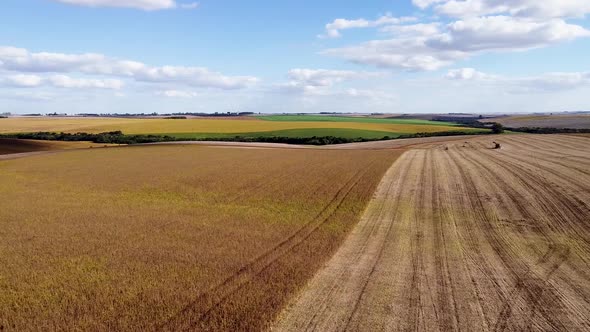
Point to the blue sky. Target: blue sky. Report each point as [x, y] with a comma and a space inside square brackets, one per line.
[409, 56]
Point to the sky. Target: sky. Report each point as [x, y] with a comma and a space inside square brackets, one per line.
[403, 56]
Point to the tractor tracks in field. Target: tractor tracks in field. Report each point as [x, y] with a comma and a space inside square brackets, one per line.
[540, 296]
[192, 314]
[333, 296]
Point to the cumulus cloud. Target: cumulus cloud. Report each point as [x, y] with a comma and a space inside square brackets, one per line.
[420, 29]
[429, 47]
[318, 81]
[466, 74]
[521, 8]
[138, 4]
[333, 29]
[471, 27]
[23, 81]
[21, 60]
[504, 33]
[63, 81]
[59, 81]
[401, 53]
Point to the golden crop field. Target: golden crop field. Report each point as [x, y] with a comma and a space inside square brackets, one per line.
[196, 125]
[172, 237]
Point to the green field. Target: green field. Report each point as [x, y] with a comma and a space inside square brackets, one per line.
[304, 132]
[332, 118]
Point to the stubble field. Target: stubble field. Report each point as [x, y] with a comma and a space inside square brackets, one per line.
[463, 237]
[171, 237]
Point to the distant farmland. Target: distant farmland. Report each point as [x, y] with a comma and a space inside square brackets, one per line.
[172, 237]
[286, 126]
[575, 121]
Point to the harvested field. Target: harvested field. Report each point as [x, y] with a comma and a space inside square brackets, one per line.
[468, 238]
[172, 237]
[9, 146]
[576, 121]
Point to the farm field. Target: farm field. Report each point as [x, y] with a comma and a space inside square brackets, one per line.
[9, 146]
[243, 126]
[468, 238]
[576, 121]
[172, 237]
[357, 119]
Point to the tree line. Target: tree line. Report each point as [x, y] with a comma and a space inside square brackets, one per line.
[118, 137]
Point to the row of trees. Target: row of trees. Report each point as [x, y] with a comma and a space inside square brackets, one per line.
[539, 130]
[117, 137]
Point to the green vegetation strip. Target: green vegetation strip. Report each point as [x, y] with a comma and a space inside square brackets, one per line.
[293, 133]
[117, 137]
[331, 118]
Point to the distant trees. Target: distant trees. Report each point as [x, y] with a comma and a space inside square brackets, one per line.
[497, 128]
[118, 137]
[111, 137]
[544, 130]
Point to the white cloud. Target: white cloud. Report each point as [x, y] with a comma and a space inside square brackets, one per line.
[319, 81]
[63, 81]
[317, 88]
[333, 28]
[21, 60]
[420, 29]
[466, 74]
[423, 4]
[521, 8]
[402, 53]
[483, 26]
[23, 80]
[430, 48]
[59, 81]
[177, 94]
[504, 33]
[324, 77]
[138, 4]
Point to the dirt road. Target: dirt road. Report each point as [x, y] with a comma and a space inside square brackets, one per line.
[463, 237]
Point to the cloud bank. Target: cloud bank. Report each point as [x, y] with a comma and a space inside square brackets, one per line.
[21, 60]
[472, 27]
